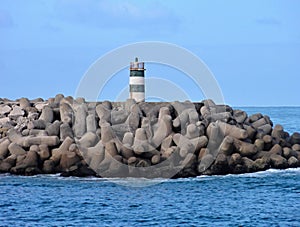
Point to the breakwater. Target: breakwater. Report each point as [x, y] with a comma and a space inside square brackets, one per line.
[128, 139]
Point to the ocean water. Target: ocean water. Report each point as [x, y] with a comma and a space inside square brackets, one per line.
[270, 198]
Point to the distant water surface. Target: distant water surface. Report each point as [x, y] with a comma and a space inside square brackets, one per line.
[270, 198]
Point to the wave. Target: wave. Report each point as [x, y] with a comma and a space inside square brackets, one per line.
[144, 181]
[265, 173]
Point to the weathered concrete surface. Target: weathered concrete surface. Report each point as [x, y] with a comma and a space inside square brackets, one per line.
[129, 139]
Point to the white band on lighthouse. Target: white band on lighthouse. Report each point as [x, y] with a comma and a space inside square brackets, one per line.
[136, 80]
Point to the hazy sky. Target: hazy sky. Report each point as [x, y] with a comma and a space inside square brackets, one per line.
[251, 47]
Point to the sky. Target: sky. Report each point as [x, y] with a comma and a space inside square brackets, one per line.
[251, 47]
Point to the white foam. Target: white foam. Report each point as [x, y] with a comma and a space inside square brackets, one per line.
[140, 182]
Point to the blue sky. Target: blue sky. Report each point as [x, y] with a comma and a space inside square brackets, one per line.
[252, 47]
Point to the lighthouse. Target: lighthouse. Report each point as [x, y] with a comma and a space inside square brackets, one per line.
[137, 81]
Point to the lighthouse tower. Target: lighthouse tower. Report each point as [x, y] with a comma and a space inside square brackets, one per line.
[137, 81]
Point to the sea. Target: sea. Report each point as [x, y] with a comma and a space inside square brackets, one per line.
[269, 198]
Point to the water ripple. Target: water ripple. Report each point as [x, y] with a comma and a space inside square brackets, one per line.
[269, 198]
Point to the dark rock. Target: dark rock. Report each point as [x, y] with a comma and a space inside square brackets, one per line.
[12, 159]
[245, 149]
[48, 166]
[79, 126]
[235, 159]
[31, 160]
[265, 129]
[67, 160]
[220, 166]
[293, 162]
[143, 163]
[79, 171]
[260, 144]
[31, 171]
[66, 113]
[276, 149]
[15, 149]
[53, 129]
[239, 169]
[188, 162]
[4, 144]
[126, 152]
[65, 131]
[259, 123]
[268, 119]
[91, 124]
[47, 115]
[233, 131]
[250, 131]
[104, 112]
[227, 146]
[248, 165]
[5, 167]
[16, 113]
[43, 152]
[58, 98]
[278, 162]
[240, 116]
[261, 164]
[132, 161]
[89, 139]
[63, 148]
[295, 138]
[37, 124]
[118, 158]
[268, 142]
[38, 140]
[255, 117]
[4, 109]
[278, 131]
[155, 159]
[225, 117]
[288, 152]
[40, 105]
[118, 116]
[111, 149]
[296, 147]
[205, 163]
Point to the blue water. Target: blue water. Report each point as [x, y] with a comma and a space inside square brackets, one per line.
[270, 198]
